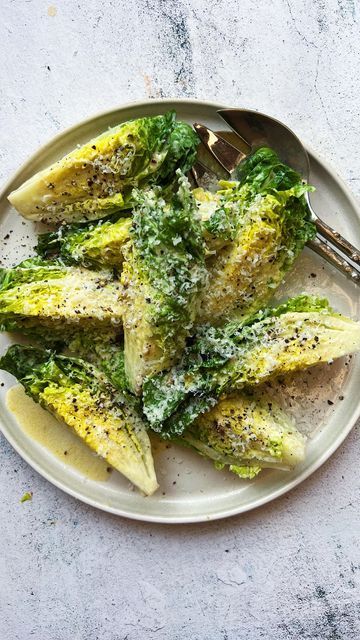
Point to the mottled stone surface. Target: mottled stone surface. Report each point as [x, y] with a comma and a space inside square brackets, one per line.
[291, 569]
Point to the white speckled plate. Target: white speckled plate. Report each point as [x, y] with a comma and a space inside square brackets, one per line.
[190, 489]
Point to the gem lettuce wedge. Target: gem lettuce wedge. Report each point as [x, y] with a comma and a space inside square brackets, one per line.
[162, 275]
[39, 297]
[298, 334]
[97, 178]
[246, 434]
[79, 395]
[264, 223]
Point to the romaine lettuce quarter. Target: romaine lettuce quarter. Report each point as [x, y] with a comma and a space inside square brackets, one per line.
[161, 276]
[259, 226]
[82, 397]
[246, 434]
[97, 178]
[42, 297]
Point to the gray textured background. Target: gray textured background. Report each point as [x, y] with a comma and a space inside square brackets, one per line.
[289, 570]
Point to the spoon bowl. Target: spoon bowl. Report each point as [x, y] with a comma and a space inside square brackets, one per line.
[259, 130]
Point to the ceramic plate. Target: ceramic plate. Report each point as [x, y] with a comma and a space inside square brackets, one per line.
[190, 489]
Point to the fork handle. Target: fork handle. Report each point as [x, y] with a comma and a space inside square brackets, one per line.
[325, 251]
[334, 237]
[337, 239]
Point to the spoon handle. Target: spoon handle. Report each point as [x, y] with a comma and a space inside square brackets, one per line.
[337, 239]
[330, 255]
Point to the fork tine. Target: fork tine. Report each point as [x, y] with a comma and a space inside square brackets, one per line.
[223, 151]
[198, 171]
[202, 176]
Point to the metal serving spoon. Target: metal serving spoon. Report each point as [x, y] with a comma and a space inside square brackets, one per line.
[254, 130]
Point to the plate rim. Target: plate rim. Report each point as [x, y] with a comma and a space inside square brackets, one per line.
[220, 514]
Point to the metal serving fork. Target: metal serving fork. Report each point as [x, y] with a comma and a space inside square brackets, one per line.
[260, 130]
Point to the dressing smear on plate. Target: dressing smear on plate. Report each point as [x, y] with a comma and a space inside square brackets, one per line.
[41, 426]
